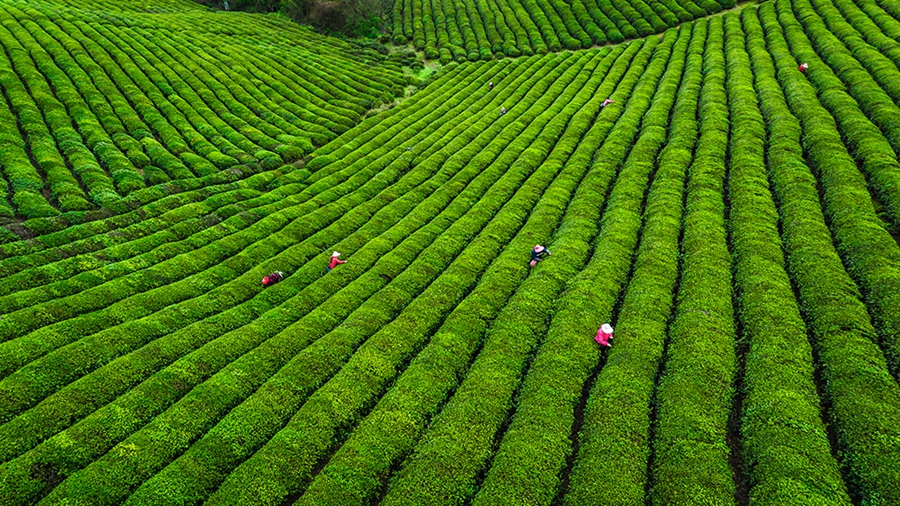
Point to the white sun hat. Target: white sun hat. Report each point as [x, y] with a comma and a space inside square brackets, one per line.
[606, 328]
[335, 254]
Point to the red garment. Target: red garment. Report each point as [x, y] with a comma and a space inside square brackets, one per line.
[603, 338]
[335, 261]
[273, 278]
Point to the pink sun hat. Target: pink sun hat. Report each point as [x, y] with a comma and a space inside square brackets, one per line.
[538, 248]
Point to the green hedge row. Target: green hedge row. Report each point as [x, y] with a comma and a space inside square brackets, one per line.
[286, 135]
[304, 86]
[694, 394]
[783, 439]
[198, 132]
[303, 92]
[877, 15]
[301, 304]
[23, 350]
[330, 184]
[856, 96]
[64, 125]
[231, 146]
[128, 205]
[63, 405]
[614, 446]
[145, 122]
[278, 117]
[102, 131]
[177, 472]
[312, 99]
[284, 464]
[878, 66]
[23, 176]
[356, 94]
[532, 453]
[72, 275]
[151, 201]
[880, 35]
[486, 29]
[458, 443]
[15, 346]
[26, 165]
[863, 399]
[870, 253]
[255, 124]
[419, 393]
[69, 409]
[85, 235]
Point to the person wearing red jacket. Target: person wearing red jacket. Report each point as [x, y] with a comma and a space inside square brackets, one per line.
[604, 335]
[273, 278]
[803, 67]
[335, 261]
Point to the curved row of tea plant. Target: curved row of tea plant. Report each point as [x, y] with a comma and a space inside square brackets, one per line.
[366, 313]
[465, 430]
[727, 213]
[486, 29]
[783, 434]
[95, 111]
[402, 162]
[617, 423]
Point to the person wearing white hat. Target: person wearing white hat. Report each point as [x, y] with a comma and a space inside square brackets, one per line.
[604, 334]
[335, 261]
[537, 254]
[273, 278]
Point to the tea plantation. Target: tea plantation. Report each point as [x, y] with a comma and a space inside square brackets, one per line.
[733, 214]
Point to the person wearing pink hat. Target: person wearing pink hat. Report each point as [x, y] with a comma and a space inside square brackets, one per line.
[604, 334]
[335, 261]
[537, 254]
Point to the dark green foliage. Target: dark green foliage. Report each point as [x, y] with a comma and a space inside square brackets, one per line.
[614, 444]
[693, 397]
[727, 213]
[537, 442]
[95, 112]
[452, 29]
[864, 399]
[786, 447]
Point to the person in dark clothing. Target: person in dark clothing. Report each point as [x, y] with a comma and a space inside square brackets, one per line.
[273, 278]
[537, 254]
[491, 86]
